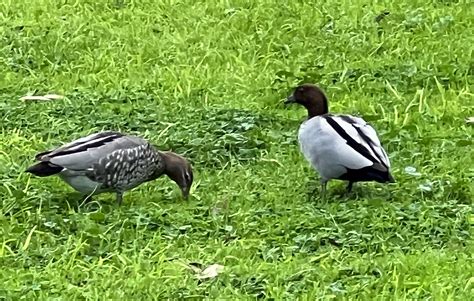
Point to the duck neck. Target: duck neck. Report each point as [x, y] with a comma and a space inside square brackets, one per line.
[317, 110]
[170, 163]
[156, 156]
[312, 112]
[166, 162]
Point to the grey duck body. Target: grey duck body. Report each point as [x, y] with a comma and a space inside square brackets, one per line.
[103, 162]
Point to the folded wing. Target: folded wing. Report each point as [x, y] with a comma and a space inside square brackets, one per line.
[356, 146]
[82, 153]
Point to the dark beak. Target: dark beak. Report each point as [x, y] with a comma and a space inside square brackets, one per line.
[290, 100]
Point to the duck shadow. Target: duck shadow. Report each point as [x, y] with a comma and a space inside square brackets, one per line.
[337, 190]
[77, 202]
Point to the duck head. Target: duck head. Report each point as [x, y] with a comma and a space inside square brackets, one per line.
[311, 97]
[179, 170]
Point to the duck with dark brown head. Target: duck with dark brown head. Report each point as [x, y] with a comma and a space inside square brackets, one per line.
[340, 147]
[112, 162]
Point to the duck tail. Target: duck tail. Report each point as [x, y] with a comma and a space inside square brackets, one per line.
[390, 179]
[44, 169]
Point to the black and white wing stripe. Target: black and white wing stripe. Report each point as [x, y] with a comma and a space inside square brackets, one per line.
[81, 144]
[361, 137]
[82, 153]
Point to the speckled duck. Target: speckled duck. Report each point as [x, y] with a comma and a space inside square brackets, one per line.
[112, 162]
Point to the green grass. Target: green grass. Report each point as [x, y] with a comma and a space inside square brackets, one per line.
[205, 79]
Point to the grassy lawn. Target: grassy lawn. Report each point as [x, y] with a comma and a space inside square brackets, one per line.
[206, 79]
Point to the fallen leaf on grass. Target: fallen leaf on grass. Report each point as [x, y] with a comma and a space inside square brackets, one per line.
[470, 120]
[427, 186]
[412, 171]
[46, 97]
[211, 271]
[192, 266]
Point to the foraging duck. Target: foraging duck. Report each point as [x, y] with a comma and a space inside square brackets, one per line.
[112, 162]
[340, 147]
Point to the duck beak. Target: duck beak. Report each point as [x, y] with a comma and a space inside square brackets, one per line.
[290, 100]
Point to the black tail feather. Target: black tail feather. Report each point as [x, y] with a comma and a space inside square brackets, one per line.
[44, 169]
[367, 174]
[390, 178]
[39, 155]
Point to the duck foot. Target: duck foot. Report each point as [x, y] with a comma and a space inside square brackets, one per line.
[351, 192]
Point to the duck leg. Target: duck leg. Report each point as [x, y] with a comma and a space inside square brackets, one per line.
[349, 187]
[324, 184]
[119, 197]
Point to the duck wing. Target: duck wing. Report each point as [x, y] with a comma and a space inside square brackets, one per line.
[366, 136]
[344, 147]
[84, 152]
[347, 149]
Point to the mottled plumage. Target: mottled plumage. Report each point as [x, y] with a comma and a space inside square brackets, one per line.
[339, 146]
[111, 162]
